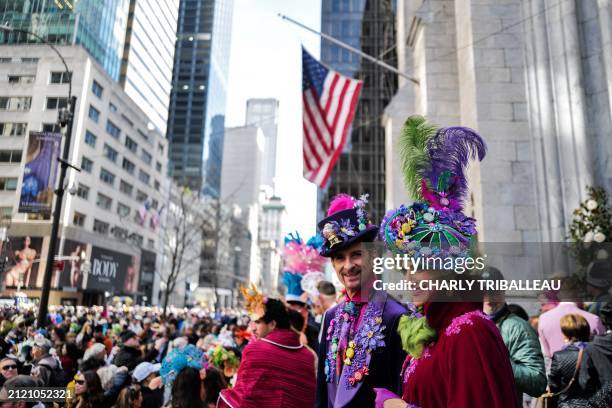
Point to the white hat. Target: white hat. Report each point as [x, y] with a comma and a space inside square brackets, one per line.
[143, 370]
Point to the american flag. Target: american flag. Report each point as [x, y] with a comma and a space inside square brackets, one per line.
[329, 101]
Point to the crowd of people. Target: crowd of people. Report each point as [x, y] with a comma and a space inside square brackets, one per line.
[353, 347]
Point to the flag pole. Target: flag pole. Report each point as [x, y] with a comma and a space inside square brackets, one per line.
[351, 49]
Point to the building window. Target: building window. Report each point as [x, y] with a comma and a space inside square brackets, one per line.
[112, 107]
[145, 156]
[56, 103]
[144, 176]
[51, 128]
[15, 103]
[154, 204]
[94, 114]
[104, 202]
[21, 79]
[141, 197]
[123, 210]
[97, 89]
[62, 77]
[83, 191]
[126, 188]
[128, 166]
[156, 183]
[120, 233]
[13, 129]
[112, 129]
[129, 122]
[100, 227]
[86, 164]
[78, 219]
[28, 60]
[6, 213]
[158, 166]
[10, 156]
[90, 138]
[160, 148]
[110, 153]
[131, 144]
[107, 177]
[8, 183]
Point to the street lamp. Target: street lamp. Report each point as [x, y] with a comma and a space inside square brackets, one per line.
[65, 119]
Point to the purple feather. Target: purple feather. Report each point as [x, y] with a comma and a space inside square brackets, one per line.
[450, 150]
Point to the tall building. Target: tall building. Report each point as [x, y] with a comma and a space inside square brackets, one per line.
[240, 184]
[196, 120]
[109, 229]
[133, 40]
[99, 26]
[263, 113]
[368, 25]
[148, 56]
[271, 241]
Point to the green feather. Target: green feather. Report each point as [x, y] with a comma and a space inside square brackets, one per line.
[415, 334]
[413, 152]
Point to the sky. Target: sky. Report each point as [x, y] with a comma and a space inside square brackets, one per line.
[265, 62]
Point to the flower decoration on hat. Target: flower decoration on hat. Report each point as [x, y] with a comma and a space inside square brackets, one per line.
[433, 165]
[346, 222]
[255, 302]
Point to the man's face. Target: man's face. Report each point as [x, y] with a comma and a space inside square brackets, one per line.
[492, 302]
[37, 352]
[8, 369]
[262, 329]
[133, 341]
[348, 266]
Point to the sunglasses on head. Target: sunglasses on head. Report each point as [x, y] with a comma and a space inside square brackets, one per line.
[9, 367]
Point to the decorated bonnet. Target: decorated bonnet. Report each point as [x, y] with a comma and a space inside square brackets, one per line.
[346, 223]
[302, 265]
[433, 163]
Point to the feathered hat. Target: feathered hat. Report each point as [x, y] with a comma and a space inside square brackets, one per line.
[346, 223]
[255, 302]
[433, 163]
[301, 264]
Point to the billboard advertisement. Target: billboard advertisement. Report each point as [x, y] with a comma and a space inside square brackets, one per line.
[40, 172]
[75, 259]
[112, 271]
[23, 264]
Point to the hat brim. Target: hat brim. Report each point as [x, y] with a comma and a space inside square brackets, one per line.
[367, 235]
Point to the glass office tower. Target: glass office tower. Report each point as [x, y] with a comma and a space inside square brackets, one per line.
[196, 120]
[99, 26]
[368, 25]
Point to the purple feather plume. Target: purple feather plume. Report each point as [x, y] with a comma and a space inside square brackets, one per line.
[450, 150]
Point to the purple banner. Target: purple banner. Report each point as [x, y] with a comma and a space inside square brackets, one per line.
[40, 172]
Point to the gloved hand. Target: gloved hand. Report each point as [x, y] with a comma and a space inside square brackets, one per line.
[383, 395]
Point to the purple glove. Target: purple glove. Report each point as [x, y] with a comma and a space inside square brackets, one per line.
[382, 395]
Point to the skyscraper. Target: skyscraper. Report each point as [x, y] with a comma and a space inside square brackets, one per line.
[133, 40]
[263, 113]
[196, 120]
[99, 26]
[368, 25]
[148, 56]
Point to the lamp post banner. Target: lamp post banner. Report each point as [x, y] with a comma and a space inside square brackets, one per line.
[40, 172]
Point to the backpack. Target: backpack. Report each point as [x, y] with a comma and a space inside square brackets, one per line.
[57, 377]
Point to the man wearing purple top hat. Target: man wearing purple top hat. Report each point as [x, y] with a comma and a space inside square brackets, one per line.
[360, 348]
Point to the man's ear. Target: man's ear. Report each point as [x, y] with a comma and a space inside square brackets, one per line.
[273, 324]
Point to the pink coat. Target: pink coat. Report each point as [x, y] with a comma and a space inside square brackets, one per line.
[549, 327]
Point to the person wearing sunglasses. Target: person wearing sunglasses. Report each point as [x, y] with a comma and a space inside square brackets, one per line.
[8, 369]
[88, 390]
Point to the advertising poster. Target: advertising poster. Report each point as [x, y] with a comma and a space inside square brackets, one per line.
[40, 172]
[24, 261]
[75, 258]
[112, 271]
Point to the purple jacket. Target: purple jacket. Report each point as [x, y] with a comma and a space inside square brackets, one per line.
[384, 365]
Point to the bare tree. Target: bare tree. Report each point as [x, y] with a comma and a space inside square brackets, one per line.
[182, 238]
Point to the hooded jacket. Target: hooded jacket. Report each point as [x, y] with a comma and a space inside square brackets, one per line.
[596, 369]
